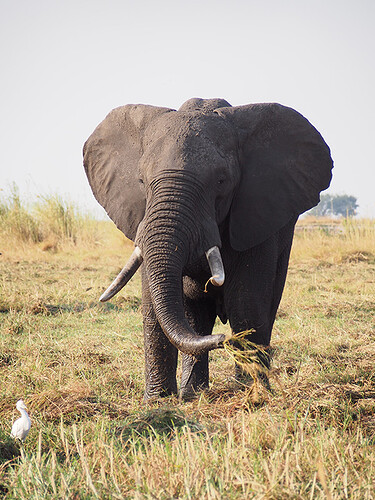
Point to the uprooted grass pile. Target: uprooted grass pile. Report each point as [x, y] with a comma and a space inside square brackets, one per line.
[155, 421]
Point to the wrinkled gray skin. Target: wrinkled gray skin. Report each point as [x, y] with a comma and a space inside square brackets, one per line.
[181, 182]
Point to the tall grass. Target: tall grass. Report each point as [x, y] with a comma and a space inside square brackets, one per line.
[16, 221]
[334, 240]
[247, 459]
[49, 220]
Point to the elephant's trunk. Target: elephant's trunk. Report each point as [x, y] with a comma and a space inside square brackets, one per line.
[170, 237]
[165, 281]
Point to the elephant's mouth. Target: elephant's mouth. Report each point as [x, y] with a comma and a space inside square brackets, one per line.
[127, 272]
[172, 319]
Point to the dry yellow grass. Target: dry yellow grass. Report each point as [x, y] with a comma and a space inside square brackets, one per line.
[334, 241]
[78, 365]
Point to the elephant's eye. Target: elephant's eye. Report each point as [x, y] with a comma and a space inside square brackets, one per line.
[141, 181]
[221, 181]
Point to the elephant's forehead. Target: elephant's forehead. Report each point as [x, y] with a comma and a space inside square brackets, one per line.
[188, 133]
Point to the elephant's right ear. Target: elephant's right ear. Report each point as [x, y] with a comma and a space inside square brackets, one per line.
[111, 155]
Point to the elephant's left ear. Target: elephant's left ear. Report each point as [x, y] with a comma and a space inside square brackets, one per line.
[285, 164]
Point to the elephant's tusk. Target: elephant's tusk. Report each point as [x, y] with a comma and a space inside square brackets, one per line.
[124, 276]
[216, 266]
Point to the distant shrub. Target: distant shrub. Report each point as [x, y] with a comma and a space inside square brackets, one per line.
[339, 205]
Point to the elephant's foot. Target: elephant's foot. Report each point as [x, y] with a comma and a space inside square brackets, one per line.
[159, 384]
[247, 380]
[190, 392]
[194, 376]
[243, 377]
[153, 393]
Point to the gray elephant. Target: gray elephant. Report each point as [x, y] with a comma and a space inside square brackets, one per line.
[208, 192]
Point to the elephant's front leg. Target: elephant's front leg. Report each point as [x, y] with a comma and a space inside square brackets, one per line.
[160, 354]
[201, 313]
[254, 291]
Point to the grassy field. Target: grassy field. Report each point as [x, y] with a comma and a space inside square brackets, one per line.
[78, 365]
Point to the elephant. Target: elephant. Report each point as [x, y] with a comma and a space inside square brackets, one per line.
[210, 194]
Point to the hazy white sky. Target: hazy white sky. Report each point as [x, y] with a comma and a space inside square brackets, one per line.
[66, 64]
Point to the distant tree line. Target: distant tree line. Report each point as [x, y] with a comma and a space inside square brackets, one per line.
[335, 205]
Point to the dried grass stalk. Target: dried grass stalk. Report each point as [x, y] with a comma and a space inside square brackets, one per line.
[248, 356]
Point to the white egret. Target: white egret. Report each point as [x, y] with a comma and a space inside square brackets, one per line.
[21, 426]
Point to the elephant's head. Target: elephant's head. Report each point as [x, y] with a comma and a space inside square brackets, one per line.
[171, 180]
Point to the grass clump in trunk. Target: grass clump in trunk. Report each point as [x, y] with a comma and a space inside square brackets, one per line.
[249, 357]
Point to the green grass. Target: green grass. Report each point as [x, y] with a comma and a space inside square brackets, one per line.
[78, 365]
